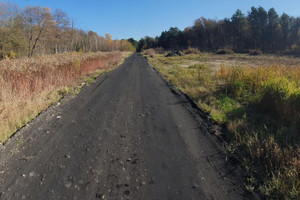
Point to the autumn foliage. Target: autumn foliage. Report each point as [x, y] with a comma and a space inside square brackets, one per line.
[34, 31]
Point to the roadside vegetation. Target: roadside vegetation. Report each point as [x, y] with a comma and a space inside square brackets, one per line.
[29, 85]
[257, 100]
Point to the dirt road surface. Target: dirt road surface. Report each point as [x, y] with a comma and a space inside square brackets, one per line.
[127, 136]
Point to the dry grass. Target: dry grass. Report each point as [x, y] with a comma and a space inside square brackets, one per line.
[191, 51]
[258, 100]
[28, 86]
[215, 61]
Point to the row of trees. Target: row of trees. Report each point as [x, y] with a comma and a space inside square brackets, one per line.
[36, 30]
[260, 29]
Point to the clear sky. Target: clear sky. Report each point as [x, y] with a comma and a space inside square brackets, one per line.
[138, 18]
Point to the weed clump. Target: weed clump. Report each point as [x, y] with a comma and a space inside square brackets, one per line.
[174, 53]
[191, 51]
[255, 52]
[225, 51]
[149, 52]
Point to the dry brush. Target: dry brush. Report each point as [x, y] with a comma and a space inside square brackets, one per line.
[30, 85]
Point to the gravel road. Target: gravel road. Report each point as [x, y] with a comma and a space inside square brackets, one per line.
[126, 136]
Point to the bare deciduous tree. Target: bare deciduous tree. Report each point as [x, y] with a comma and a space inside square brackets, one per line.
[37, 20]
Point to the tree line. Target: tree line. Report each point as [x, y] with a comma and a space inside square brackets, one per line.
[259, 29]
[36, 30]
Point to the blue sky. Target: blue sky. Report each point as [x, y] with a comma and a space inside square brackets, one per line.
[138, 18]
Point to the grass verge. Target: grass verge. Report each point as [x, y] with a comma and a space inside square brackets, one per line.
[259, 106]
[29, 86]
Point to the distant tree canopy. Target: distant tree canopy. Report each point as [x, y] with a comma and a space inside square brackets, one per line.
[133, 42]
[259, 29]
[36, 31]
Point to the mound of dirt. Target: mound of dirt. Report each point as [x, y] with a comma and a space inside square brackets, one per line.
[174, 53]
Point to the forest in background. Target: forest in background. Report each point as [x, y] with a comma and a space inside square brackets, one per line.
[261, 30]
[35, 30]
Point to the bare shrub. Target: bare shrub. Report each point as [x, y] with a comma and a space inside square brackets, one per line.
[149, 52]
[159, 50]
[225, 51]
[191, 51]
[255, 52]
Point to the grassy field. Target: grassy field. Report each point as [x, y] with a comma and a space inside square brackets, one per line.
[29, 86]
[257, 99]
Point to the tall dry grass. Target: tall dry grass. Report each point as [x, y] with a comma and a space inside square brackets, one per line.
[30, 85]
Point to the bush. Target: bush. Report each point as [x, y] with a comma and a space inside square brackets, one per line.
[255, 52]
[174, 54]
[294, 50]
[149, 52]
[277, 98]
[191, 51]
[77, 48]
[225, 51]
[159, 50]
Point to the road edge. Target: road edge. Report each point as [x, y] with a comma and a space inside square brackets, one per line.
[213, 130]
